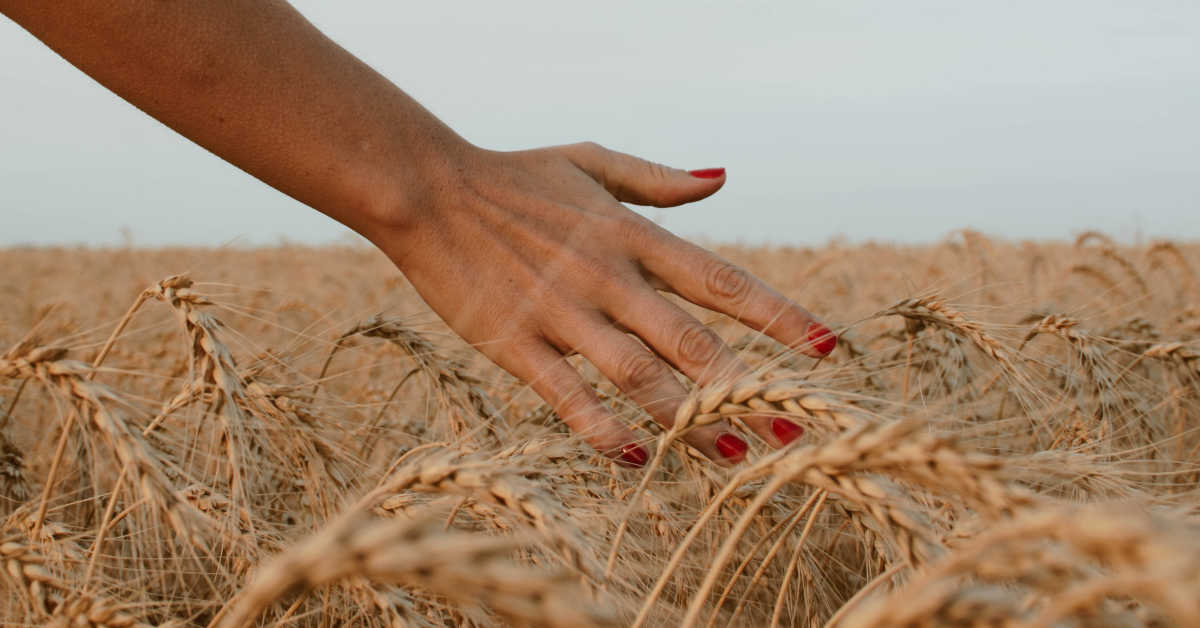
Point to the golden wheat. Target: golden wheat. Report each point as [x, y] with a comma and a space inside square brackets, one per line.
[1007, 435]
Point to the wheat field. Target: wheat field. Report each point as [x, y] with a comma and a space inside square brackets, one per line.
[1007, 435]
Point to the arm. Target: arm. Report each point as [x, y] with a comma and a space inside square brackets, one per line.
[528, 255]
[258, 85]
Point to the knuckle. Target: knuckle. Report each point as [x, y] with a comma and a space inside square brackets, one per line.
[547, 308]
[591, 148]
[698, 344]
[524, 342]
[590, 275]
[727, 282]
[633, 229]
[517, 353]
[639, 371]
[658, 172]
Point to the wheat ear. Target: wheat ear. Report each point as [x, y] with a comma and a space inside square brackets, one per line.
[463, 567]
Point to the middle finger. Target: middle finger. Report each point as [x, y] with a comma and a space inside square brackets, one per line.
[697, 351]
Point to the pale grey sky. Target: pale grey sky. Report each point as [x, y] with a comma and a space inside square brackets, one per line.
[871, 120]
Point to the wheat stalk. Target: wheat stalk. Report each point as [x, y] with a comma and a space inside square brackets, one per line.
[1164, 554]
[415, 552]
[933, 310]
[53, 600]
[453, 472]
[99, 404]
[920, 495]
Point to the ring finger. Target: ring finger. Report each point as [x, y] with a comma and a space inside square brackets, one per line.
[697, 351]
[650, 383]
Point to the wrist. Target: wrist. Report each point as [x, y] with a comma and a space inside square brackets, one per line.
[403, 193]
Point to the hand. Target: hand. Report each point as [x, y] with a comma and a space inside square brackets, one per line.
[530, 256]
[527, 255]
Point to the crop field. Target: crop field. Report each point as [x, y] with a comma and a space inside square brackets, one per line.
[1008, 434]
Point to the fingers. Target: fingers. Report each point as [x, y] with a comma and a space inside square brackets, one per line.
[694, 349]
[634, 180]
[650, 383]
[561, 386]
[709, 281]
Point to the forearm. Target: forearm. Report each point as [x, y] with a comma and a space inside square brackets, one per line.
[528, 255]
[258, 85]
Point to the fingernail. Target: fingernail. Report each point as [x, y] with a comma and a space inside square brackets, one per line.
[707, 173]
[633, 455]
[821, 338]
[785, 430]
[731, 447]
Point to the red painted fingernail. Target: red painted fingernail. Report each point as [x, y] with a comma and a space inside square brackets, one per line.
[821, 338]
[785, 430]
[731, 447]
[633, 455]
[707, 173]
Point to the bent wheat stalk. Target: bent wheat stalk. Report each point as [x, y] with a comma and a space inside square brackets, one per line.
[749, 396]
[98, 405]
[463, 567]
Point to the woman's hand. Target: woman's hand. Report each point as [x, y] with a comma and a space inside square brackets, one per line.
[530, 256]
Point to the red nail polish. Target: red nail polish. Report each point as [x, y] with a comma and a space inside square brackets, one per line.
[785, 430]
[707, 173]
[634, 455]
[821, 338]
[731, 447]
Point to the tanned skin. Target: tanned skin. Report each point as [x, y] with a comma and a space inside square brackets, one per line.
[528, 255]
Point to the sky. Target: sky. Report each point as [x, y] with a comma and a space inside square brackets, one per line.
[886, 121]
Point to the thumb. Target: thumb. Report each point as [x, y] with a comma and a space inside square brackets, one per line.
[634, 180]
